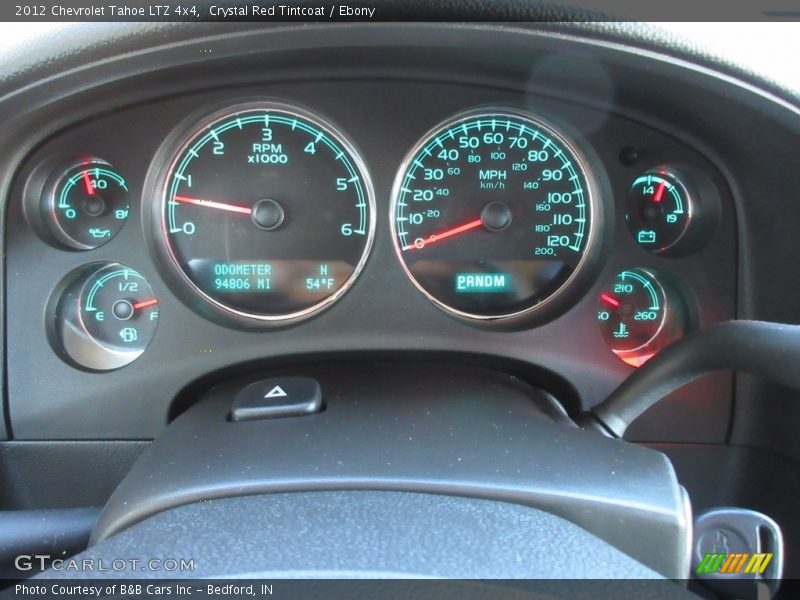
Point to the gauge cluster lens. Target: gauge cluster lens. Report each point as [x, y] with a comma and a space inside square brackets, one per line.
[267, 211]
[493, 213]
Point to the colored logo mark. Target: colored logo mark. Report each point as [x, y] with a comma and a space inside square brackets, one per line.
[735, 564]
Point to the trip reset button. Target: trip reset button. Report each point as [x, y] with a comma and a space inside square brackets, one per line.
[278, 397]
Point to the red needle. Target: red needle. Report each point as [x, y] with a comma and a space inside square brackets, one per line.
[608, 299]
[87, 183]
[145, 303]
[438, 237]
[659, 192]
[244, 210]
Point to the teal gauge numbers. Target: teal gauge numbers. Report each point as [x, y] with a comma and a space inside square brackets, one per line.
[86, 205]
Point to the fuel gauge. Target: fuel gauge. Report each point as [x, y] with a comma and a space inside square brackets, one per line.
[639, 315]
[106, 316]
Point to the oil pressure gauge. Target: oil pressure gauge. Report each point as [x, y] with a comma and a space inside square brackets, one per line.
[85, 205]
[106, 316]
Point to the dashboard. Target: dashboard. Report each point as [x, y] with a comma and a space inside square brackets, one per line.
[468, 234]
[361, 214]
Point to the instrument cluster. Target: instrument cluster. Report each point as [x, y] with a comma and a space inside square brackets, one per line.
[266, 212]
[159, 244]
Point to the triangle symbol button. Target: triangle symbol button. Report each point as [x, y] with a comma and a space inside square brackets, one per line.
[276, 392]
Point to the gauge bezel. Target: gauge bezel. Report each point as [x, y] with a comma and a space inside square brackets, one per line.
[155, 220]
[563, 296]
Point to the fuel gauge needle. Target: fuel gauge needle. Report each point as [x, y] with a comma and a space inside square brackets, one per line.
[145, 303]
[235, 208]
[443, 235]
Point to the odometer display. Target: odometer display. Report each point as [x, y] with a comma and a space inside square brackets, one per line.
[493, 213]
[267, 211]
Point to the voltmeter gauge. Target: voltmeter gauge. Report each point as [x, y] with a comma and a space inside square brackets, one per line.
[639, 314]
[86, 205]
[106, 316]
[671, 210]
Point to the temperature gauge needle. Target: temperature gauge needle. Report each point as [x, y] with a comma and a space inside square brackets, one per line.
[235, 208]
[610, 300]
[438, 237]
[87, 183]
[145, 303]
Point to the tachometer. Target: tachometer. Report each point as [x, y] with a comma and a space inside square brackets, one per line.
[494, 212]
[267, 211]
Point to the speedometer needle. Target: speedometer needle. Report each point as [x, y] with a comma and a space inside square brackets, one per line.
[236, 208]
[443, 235]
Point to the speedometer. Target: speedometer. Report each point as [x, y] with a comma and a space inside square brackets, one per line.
[494, 213]
[266, 212]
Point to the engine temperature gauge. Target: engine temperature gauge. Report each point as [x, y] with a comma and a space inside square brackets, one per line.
[639, 315]
[106, 316]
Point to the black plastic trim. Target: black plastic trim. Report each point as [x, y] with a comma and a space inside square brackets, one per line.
[445, 430]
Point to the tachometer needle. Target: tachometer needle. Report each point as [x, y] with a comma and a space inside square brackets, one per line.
[87, 183]
[608, 299]
[244, 210]
[443, 235]
[145, 303]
